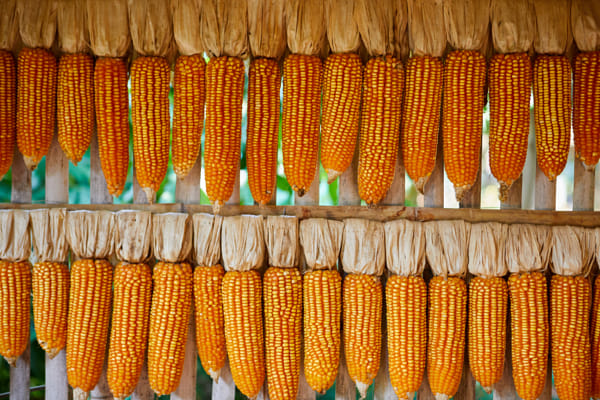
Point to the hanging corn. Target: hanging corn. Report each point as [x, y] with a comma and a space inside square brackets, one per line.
[595, 328]
[8, 86]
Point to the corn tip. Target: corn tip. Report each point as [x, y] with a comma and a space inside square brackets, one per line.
[488, 389]
[31, 163]
[332, 175]
[217, 205]
[52, 352]
[150, 194]
[461, 191]
[12, 361]
[362, 389]
[420, 184]
[214, 375]
[441, 396]
[503, 192]
[79, 394]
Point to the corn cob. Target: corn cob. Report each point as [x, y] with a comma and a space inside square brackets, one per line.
[446, 343]
[188, 114]
[75, 104]
[129, 328]
[595, 332]
[112, 119]
[36, 104]
[510, 92]
[150, 77]
[570, 300]
[302, 78]
[421, 117]
[342, 85]
[210, 330]
[15, 292]
[552, 112]
[406, 308]
[586, 107]
[169, 319]
[50, 283]
[462, 121]
[8, 112]
[263, 128]
[242, 308]
[87, 326]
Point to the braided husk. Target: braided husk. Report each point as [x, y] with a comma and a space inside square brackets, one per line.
[48, 235]
[342, 31]
[375, 21]
[91, 233]
[281, 241]
[405, 247]
[133, 236]
[15, 243]
[467, 23]
[513, 25]
[37, 22]
[553, 26]
[527, 248]
[306, 30]
[71, 21]
[151, 28]
[171, 237]
[186, 26]
[266, 28]
[447, 247]
[9, 26]
[426, 33]
[573, 250]
[486, 249]
[321, 241]
[242, 243]
[224, 27]
[108, 25]
[207, 239]
[363, 247]
[585, 24]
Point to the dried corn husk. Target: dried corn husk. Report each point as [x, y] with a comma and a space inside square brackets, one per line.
[266, 28]
[553, 26]
[133, 236]
[363, 247]
[573, 250]
[48, 235]
[486, 249]
[72, 26]
[281, 239]
[375, 21]
[321, 240]
[15, 244]
[108, 26]
[527, 248]
[9, 26]
[405, 247]
[151, 27]
[186, 26]
[91, 233]
[513, 25]
[207, 239]
[171, 237]
[242, 243]
[467, 23]
[447, 247]
[585, 22]
[401, 47]
[306, 30]
[342, 30]
[37, 22]
[426, 35]
[224, 27]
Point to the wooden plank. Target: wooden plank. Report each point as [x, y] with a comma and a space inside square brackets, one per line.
[310, 198]
[395, 196]
[545, 191]
[513, 200]
[21, 180]
[98, 190]
[584, 186]
[383, 386]
[434, 188]
[347, 185]
[139, 197]
[19, 377]
[345, 389]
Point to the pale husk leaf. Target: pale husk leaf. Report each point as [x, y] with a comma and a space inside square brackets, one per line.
[486, 249]
[447, 247]
[553, 26]
[91, 233]
[375, 19]
[151, 27]
[585, 23]
[306, 30]
[48, 227]
[405, 247]
[37, 22]
[513, 25]
[281, 239]
[15, 243]
[321, 240]
[207, 239]
[401, 47]
[242, 243]
[186, 26]
[72, 26]
[527, 248]
[363, 247]
[224, 27]
[171, 236]
[426, 35]
[342, 30]
[108, 25]
[133, 236]
[573, 250]
[9, 26]
[467, 23]
[266, 28]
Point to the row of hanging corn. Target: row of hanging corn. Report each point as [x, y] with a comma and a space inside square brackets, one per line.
[262, 319]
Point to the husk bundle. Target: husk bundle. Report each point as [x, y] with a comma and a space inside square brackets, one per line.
[37, 22]
[281, 240]
[363, 247]
[375, 19]
[207, 239]
[405, 247]
[426, 33]
[467, 23]
[15, 243]
[91, 233]
[527, 248]
[306, 30]
[72, 26]
[133, 236]
[108, 25]
[242, 243]
[266, 28]
[486, 249]
[342, 30]
[48, 228]
[401, 47]
[171, 237]
[573, 250]
[321, 240]
[447, 247]
[224, 27]
[151, 27]
[585, 23]
[9, 26]
[513, 25]
[186, 26]
[553, 26]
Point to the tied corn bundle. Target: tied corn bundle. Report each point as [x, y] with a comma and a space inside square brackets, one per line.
[8, 85]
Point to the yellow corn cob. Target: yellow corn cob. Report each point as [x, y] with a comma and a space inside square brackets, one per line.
[570, 300]
[595, 332]
[210, 329]
[322, 297]
[446, 331]
[8, 110]
[510, 92]
[406, 308]
[242, 308]
[362, 299]
[188, 113]
[586, 107]
[169, 320]
[112, 119]
[421, 117]
[50, 282]
[224, 98]
[75, 104]
[488, 299]
[529, 333]
[462, 117]
[302, 77]
[342, 85]
[263, 128]
[150, 77]
[552, 112]
[379, 127]
[15, 296]
[129, 327]
[87, 326]
[36, 104]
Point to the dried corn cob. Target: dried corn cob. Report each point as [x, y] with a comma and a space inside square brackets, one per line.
[462, 121]
[36, 104]
[8, 112]
[595, 332]
[263, 128]
[342, 85]
[380, 127]
[586, 107]
[188, 114]
[421, 117]
[552, 112]
[15, 292]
